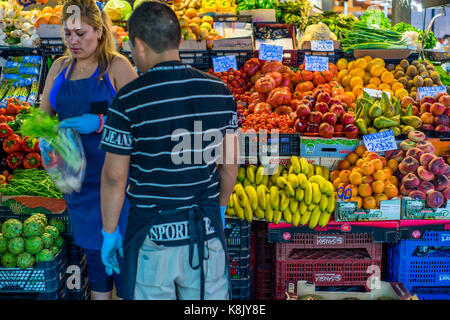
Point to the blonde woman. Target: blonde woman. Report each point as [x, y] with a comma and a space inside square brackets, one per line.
[79, 88]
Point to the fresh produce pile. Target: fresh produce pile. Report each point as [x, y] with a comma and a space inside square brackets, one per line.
[22, 245]
[194, 27]
[222, 6]
[243, 5]
[30, 182]
[336, 22]
[319, 31]
[421, 174]
[369, 176]
[295, 12]
[430, 42]
[300, 193]
[435, 113]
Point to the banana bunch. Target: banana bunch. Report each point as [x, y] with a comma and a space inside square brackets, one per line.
[300, 194]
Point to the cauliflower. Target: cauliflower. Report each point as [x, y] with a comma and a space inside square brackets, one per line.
[318, 31]
[412, 39]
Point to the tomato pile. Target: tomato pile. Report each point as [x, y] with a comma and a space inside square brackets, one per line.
[236, 80]
[268, 122]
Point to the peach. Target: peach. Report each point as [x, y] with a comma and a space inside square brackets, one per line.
[369, 203]
[441, 183]
[404, 191]
[391, 191]
[425, 146]
[437, 109]
[410, 181]
[377, 164]
[428, 99]
[398, 155]
[372, 156]
[380, 197]
[416, 136]
[442, 120]
[435, 199]
[393, 165]
[424, 186]
[442, 128]
[344, 164]
[427, 118]
[344, 176]
[393, 180]
[378, 186]
[444, 99]
[407, 144]
[379, 175]
[355, 177]
[409, 164]
[367, 168]
[426, 158]
[415, 153]
[364, 190]
[368, 179]
[424, 174]
[425, 107]
[417, 195]
[437, 166]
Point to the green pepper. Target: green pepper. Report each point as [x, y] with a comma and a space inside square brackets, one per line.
[13, 125]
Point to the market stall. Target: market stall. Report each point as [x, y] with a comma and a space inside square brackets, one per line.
[344, 145]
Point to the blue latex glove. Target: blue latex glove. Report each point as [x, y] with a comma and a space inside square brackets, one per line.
[222, 213]
[87, 123]
[112, 242]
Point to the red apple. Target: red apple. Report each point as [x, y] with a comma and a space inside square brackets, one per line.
[347, 118]
[351, 131]
[324, 97]
[437, 109]
[326, 130]
[321, 107]
[330, 118]
[338, 110]
[315, 117]
[301, 125]
[303, 111]
[428, 99]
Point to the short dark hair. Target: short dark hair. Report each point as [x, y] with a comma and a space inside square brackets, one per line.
[156, 24]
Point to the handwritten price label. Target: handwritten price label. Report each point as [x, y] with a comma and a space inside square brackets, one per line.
[430, 91]
[376, 93]
[380, 141]
[224, 63]
[322, 45]
[315, 63]
[270, 52]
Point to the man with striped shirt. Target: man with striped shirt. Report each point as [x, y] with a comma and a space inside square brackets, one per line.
[167, 132]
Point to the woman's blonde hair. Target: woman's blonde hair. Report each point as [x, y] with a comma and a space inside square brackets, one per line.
[92, 15]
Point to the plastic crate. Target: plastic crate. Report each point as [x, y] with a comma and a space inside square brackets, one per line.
[197, 59]
[324, 267]
[329, 241]
[58, 294]
[45, 277]
[264, 250]
[239, 266]
[237, 233]
[241, 55]
[407, 263]
[436, 293]
[6, 214]
[264, 284]
[240, 289]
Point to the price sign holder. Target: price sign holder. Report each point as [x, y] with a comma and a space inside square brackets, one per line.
[322, 45]
[376, 93]
[316, 63]
[270, 52]
[380, 141]
[429, 91]
[224, 63]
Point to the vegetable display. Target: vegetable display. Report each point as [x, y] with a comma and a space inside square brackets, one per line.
[295, 12]
[431, 40]
[336, 22]
[31, 182]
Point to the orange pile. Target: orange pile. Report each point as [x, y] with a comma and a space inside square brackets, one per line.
[368, 175]
[50, 15]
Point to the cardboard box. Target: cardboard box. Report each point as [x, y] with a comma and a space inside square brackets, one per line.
[332, 148]
[348, 211]
[381, 290]
[50, 31]
[388, 54]
[260, 15]
[417, 210]
[34, 204]
[193, 45]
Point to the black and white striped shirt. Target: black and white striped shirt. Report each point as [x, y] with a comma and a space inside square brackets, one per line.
[170, 121]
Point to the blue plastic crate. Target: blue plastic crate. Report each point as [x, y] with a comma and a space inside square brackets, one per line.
[240, 289]
[406, 264]
[433, 293]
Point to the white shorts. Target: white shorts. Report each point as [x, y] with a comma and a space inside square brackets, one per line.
[164, 273]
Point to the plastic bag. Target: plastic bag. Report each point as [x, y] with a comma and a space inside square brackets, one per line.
[118, 10]
[66, 170]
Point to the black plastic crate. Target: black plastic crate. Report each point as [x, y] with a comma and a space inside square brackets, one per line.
[237, 233]
[45, 277]
[241, 55]
[239, 266]
[197, 59]
[240, 289]
[58, 294]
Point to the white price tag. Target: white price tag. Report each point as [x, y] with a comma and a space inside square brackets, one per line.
[316, 63]
[224, 63]
[380, 141]
[376, 93]
[270, 52]
[430, 91]
[322, 45]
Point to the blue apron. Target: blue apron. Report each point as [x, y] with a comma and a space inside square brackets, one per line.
[73, 99]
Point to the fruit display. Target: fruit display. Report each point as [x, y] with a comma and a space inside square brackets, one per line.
[218, 6]
[376, 115]
[23, 244]
[194, 27]
[421, 174]
[118, 10]
[184, 7]
[434, 113]
[369, 176]
[300, 193]
[319, 31]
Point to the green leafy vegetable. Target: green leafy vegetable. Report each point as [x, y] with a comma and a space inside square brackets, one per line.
[431, 40]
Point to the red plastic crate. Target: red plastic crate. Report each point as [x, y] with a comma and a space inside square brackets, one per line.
[264, 284]
[324, 267]
[329, 241]
[264, 250]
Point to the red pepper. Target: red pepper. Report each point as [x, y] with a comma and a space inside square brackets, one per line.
[14, 160]
[12, 144]
[2, 111]
[2, 118]
[5, 130]
[32, 160]
[30, 144]
[12, 109]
